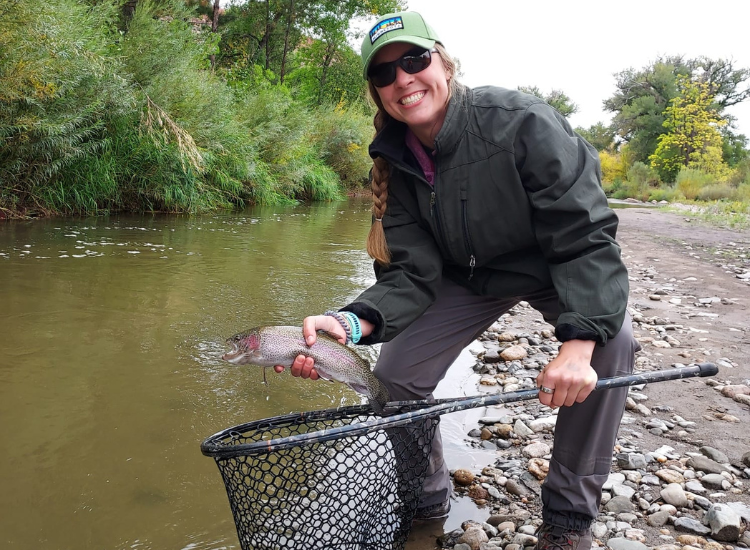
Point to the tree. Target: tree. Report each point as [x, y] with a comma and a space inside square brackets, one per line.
[600, 136]
[643, 95]
[556, 98]
[692, 138]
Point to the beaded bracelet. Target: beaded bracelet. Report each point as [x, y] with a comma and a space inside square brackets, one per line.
[343, 322]
[355, 326]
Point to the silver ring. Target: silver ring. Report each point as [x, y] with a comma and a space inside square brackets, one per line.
[545, 389]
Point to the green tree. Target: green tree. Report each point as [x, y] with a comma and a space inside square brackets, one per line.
[692, 138]
[643, 95]
[556, 98]
[601, 136]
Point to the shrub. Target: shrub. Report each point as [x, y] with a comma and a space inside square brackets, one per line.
[715, 192]
[613, 167]
[663, 194]
[690, 181]
[641, 179]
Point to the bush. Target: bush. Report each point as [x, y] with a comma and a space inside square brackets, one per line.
[715, 192]
[663, 194]
[613, 167]
[690, 181]
[641, 180]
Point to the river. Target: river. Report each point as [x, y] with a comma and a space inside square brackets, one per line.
[110, 372]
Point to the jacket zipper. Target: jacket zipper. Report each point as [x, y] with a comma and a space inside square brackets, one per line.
[467, 237]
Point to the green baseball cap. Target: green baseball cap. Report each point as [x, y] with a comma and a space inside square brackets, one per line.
[405, 26]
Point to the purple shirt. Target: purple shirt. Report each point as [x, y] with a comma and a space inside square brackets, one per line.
[425, 161]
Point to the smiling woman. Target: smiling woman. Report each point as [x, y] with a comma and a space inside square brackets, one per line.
[481, 198]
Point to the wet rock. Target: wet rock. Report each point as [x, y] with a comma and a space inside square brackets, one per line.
[691, 525]
[477, 492]
[714, 454]
[516, 488]
[463, 478]
[674, 495]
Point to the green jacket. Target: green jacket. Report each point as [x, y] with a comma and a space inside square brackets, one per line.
[517, 206]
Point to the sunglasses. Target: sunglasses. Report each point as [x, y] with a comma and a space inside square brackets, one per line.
[412, 62]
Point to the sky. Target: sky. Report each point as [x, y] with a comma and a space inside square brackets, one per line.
[577, 46]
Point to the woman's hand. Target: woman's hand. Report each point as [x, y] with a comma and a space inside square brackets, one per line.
[569, 375]
[303, 365]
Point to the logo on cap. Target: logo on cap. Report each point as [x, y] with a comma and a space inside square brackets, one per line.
[387, 25]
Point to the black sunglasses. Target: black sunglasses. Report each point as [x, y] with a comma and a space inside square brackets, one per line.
[414, 61]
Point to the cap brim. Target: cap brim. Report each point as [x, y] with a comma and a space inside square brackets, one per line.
[384, 41]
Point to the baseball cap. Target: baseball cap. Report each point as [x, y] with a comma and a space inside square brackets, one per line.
[405, 26]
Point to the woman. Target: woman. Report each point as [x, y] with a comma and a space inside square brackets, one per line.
[483, 198]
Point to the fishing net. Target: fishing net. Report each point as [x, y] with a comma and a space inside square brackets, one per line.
[333, 479]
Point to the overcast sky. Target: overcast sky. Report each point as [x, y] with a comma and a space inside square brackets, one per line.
[577, 45]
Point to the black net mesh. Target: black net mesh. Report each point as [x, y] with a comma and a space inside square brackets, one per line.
[339, 479]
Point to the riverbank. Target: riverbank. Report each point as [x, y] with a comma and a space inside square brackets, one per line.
[682, 454]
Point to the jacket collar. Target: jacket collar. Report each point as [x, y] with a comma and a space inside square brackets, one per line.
[390, 142]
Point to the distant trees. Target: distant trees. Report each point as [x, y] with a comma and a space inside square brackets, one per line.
[556, 98]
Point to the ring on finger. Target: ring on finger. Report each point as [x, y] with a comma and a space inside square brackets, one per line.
[545, 389]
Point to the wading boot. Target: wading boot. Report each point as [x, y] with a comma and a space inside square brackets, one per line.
[436, 511]
[558, 538]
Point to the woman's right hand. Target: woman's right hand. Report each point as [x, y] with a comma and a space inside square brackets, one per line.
[303, 365]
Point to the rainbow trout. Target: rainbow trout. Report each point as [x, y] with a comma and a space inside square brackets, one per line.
[279, 345]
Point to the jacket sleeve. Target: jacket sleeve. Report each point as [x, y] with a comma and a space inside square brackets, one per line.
[573, 224]
[408, 286]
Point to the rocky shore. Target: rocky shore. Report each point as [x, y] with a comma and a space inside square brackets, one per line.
[681, 467]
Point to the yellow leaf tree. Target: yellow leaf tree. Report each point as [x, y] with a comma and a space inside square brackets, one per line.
[692, 138]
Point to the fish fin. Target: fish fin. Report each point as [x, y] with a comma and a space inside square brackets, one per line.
[359, 388]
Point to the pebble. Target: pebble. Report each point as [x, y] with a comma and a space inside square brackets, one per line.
[536, 450]
[674, 495]
[691, 525]
[621, 543]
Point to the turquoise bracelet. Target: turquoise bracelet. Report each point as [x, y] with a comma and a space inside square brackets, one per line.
[355, 326]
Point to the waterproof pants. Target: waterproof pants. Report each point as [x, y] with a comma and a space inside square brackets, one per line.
[412, 364]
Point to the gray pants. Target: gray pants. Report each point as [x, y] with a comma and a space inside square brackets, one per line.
[412, 364]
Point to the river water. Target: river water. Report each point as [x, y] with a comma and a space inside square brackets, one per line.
[110, 373]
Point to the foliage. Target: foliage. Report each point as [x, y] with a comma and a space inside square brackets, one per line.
[556, 98]
[692, 137]
[643, 95]
[613, 166]
[690, 181]
[641, 181]
[600, 136]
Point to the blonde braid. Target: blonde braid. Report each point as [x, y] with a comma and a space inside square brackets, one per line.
[377, 247]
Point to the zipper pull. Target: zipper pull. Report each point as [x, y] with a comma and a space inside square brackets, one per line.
[472, 263]
[432, 203]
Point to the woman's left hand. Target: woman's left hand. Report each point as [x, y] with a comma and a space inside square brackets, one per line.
[569, 375]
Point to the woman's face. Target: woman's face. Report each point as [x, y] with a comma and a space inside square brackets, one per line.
[420, 100]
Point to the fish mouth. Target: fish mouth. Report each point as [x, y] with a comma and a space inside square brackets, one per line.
[233, 356]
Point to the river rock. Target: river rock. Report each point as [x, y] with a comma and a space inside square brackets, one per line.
[691, 526]
[713, 481]
[521, 429]
[536, 450]
[746, 459]
[691, 540]
[539, 468]
[724, 523]
[714, 454]
[621, 490]
[544, 424]
[742, 510]
[732, 391]
[658, 519]
[705, 464]
[674, 495]
[631, 461]
[742, 399]
[670, 476]
[618, 505]
[523, 539]
[517, 489]
[504, 431]
[463, 477]
[474, 536]
[621, 543]
[513, 353]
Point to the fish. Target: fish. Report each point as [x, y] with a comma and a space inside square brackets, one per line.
[267, 346]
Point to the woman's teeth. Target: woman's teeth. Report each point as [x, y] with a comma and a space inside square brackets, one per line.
[412, 98]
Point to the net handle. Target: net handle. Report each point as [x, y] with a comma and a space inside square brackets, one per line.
[453, 404]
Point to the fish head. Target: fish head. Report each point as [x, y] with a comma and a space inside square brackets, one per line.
[245, 347]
